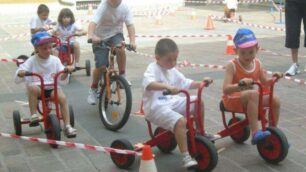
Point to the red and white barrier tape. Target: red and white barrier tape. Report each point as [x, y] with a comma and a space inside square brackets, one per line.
[72, 145]
[11, 60]
[250, 24]
[277, 54]
[181, 36]
[210, 66]
[220, 2]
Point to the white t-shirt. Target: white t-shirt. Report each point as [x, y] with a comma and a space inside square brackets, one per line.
[153, 100]
[231, 4]
[36, 22]
[45, 67]
[110, 20]
[64, 32]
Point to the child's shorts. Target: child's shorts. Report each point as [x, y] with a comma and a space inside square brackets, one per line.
[232, 102]
[64, 48]
[167, 116]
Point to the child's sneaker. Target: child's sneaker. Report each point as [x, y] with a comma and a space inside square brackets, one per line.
[34, 118]
[189, 162]
[260, 135]
[70, 132]
[293, 70]
[92, 97]
[212, 137]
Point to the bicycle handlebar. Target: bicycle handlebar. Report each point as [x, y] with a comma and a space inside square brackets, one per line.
[127, 46]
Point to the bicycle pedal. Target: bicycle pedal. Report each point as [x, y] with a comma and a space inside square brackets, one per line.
[34, 124]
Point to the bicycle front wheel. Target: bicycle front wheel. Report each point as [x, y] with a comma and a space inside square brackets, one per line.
[115, 109]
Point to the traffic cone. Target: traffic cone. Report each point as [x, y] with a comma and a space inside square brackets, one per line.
[147, 163]
[209, 24]
[90, 9]
[193, 15]
[229, 46]
[141, 111]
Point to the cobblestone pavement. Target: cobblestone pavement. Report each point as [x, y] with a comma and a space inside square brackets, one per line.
[17, 155]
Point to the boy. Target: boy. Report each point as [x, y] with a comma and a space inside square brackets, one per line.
[46, 65]
[107, 26]
[168, 111]
[246, 68]
[41, 22]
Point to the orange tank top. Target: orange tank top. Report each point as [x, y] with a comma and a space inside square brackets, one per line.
[240, 72]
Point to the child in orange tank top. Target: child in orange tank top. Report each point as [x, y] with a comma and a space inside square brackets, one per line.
[247, 68]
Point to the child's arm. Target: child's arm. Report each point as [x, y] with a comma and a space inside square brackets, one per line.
[197, 84]
[157, 86]
[228, 87]
[265, 80]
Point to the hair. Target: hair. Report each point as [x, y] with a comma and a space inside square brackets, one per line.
[165, 46]
[42, 8]
[65, 12]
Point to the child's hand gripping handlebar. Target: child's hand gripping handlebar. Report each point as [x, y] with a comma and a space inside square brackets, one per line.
[123, 44]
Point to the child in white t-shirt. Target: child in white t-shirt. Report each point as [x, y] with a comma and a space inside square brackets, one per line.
[168, 111]
[230, 8]
[47, 66]
[41, 22]
[67, 27]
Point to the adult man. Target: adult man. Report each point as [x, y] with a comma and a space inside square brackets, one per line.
[295, 13]
[107, 28]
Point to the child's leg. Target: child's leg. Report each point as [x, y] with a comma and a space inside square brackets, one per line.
[249, 100]
[276, 106]
[63, 106]
[180, 134]
[76, 51]
[33, 94]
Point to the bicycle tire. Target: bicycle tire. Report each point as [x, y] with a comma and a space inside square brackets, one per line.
[104, 103]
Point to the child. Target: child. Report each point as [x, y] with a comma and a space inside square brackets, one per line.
[246, 68]
[230, 8]
[46, 65]
[41, 22]
[67, 27]
[168, 111]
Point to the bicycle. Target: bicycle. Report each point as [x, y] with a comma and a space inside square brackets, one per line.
[199, 147]
[45, 107]
[114, 105]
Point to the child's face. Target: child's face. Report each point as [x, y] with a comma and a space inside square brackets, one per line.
[66, 20]
[43, 15]
[247, 55]
[167, 61]
[44, 50]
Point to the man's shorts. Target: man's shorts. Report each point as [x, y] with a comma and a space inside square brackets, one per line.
[101, 51]
[167, 116]
[295, 13]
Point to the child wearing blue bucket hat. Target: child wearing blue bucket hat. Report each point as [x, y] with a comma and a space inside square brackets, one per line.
[47, 66]
[247, 68]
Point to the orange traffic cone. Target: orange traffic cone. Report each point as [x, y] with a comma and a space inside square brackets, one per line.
[229, 46]
[141, 111]
[90, 9]
[209, 24]
[147, 163]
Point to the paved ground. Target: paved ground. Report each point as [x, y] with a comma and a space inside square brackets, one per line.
[16, 155]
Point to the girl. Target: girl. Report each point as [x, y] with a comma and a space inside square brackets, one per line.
[67, 27]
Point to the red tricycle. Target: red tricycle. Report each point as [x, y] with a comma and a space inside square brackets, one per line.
[45, 106]
[199, 146]
[272, 149]
[66, 54]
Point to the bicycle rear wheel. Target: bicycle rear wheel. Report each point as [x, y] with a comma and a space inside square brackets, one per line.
[115, 112]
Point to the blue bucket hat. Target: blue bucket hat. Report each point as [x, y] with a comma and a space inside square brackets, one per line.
[245, 38]
[40, 38]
